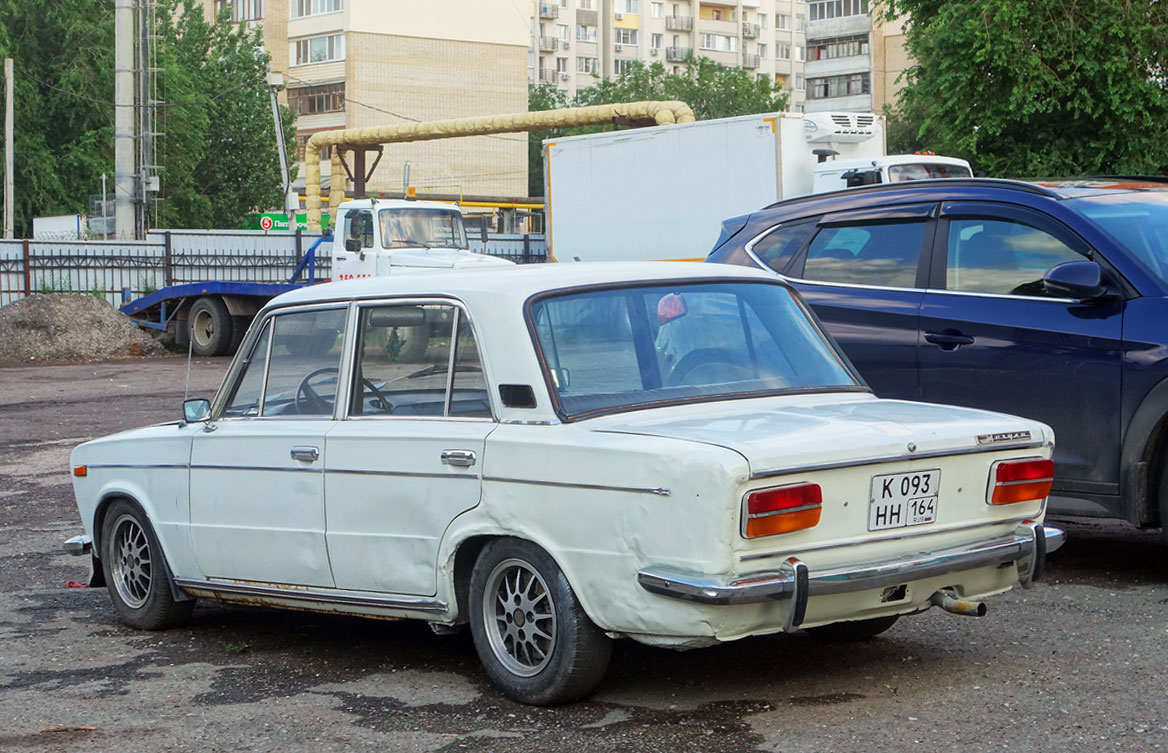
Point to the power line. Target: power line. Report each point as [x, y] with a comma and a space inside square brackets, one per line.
[108, 103]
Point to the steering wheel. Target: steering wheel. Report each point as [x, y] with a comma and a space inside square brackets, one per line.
[308, 401]
[369, 385]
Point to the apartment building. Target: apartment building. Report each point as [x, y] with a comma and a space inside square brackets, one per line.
[820, 52]
[358, 63]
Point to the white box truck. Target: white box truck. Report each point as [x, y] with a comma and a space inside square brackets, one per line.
[662, 192]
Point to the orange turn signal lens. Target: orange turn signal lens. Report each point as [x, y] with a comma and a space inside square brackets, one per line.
[80, 471]
[782, 510]
[1021, 480]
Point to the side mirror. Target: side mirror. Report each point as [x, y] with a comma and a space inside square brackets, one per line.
[353, 245]
[196, 410]
[1081, 280]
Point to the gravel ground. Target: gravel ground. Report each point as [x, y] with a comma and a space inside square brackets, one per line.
[62, 327]
[1074, 664]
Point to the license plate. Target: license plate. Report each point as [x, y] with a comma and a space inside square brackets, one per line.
[903, 499]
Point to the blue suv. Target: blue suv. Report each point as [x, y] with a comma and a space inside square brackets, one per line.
[1048, 300]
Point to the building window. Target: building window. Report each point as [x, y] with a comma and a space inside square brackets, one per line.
[326, 153]
[625, 36]
[782, 51]
[312, 100]
[585, 33]
[848, 85]
[627, 6]
[302, 8]
[800, 22]
[587, 65]
[586, 4]
[242, 10]
[657, 9]
[319, 49]
[842, 47]
[800, 84]
[655, 41]
[783, 21]
[800, 53]
[762, 50]
[621, 66]
[561, 65]
[562, 32]
[821, 10]
[762, 20]
[530, 59]
[719, 43]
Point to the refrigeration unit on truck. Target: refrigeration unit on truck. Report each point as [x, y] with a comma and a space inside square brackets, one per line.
[374, 237]
[662, 192]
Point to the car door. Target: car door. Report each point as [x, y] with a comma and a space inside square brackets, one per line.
[991, 337]
[407, 460]
[256, 482]
[863, 273]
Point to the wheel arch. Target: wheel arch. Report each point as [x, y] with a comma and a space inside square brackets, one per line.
[1145, 441]
[100, 512]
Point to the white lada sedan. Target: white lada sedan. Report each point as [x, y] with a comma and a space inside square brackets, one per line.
[673, 453]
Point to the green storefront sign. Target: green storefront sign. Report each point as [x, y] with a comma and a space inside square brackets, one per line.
[279, 221]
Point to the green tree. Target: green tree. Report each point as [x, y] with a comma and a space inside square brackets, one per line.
[217, 158]
[711, 89]
[1037, 87]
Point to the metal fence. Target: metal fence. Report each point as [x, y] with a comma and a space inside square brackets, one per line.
[108, 269]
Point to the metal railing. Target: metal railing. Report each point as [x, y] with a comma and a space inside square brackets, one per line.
[749, 61]
[549, 44]
[677, 54]
[751, 31]
[679, 23]
[547, 10]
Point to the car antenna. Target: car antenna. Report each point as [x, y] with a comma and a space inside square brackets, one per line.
[187, 389]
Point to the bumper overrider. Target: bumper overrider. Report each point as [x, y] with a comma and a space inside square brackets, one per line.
[1026, 548]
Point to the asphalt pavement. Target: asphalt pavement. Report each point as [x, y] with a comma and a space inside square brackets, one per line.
[1076, 663]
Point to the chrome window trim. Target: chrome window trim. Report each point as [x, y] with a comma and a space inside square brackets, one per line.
[749, 247]
[858, 286]
[272, 469]
[659, 491]
[459, 305]
[946, 291]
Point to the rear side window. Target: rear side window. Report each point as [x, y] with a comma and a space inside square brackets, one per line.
[878, 254]
[776, 248]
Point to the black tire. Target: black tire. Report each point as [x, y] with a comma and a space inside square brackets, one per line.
[136, 574]
[543, 671]
[857, 630]
[1163, 503]
[210, 327]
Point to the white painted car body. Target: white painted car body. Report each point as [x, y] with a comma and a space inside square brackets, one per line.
[641, 509]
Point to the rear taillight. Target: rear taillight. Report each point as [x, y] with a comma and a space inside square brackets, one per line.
[1020, 480]
[782, 509]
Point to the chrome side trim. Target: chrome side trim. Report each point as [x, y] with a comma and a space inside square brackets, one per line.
[274, 469]
[172, 466]
[893, 458]
[659, 491]
[1025, 548]
[404, 603]
[402, 474]
[79, 545]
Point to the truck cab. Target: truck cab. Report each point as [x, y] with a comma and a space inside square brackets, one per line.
[836, 175]
[377, 236]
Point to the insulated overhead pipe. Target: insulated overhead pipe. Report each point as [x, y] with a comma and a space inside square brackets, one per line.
[658, 113]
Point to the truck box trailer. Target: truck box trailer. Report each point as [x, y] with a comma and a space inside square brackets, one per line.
[662, 192]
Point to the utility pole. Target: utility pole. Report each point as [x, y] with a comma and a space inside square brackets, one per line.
[124, 183]
[9, 201]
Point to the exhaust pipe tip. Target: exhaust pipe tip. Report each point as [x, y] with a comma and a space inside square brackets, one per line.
[948, 601]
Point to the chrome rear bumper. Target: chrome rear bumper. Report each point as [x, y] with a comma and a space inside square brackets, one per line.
[79, 545]
[1026, 548]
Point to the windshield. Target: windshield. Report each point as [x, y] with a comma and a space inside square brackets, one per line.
[925, 170]
[428, 228]
[1138, 221]
[610, 349]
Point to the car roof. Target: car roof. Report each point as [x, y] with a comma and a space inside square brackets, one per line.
[940, 189]
[517, 282]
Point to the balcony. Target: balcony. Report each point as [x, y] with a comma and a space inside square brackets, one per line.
[751, 31]
[679, 23]
[677, 54]
[549, 44]
[547, 10]
[548, 75]
[749, 61]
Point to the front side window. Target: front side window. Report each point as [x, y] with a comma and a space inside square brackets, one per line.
[428, 228]
[1002, 256]
[245, 400]
[404, 358]
[359, 227]
[879, 254]
[609, 349]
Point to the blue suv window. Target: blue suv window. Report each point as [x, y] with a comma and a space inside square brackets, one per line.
[1001, 256]
[884, 254]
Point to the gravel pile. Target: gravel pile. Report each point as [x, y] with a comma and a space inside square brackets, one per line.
[64, 327]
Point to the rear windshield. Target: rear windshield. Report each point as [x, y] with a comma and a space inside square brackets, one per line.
[609, 349]
[1138, 221]
[925, 170]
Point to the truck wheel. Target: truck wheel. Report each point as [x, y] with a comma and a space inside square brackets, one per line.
[530, 632]
[210, 327]
[408, 344]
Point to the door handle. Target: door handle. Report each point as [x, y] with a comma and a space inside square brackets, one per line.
[949, 339]
[460, 458]
[304, 452]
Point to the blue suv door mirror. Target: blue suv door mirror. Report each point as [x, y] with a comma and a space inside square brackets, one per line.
[1081, 280]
